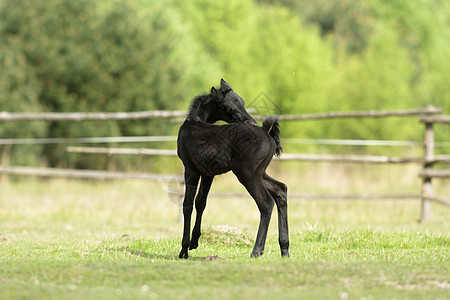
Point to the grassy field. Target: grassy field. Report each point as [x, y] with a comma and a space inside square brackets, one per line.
[119, 240]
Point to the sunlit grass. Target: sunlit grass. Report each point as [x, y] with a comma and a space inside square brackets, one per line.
[84, 239]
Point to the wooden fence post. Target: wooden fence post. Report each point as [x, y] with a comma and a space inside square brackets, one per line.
[427, 190]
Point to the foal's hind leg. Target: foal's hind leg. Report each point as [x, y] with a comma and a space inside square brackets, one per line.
[200, 204]
[254, 185]
[278, 190]
[191, 182]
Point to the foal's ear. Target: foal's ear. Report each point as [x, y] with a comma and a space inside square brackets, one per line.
[213, 94]
[224, 86]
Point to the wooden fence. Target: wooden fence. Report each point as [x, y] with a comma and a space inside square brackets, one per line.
[428, 116]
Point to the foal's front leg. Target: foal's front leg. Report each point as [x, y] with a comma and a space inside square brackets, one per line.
[191, 182]
[200, 204]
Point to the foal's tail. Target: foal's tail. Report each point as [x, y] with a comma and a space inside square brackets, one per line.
[273, 128]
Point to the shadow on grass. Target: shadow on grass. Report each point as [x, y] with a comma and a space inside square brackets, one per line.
[145, 254]
[173, 257]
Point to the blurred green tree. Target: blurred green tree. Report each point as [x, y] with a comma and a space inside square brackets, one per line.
[424, 31]
[379, 79]
[387, 54]
[19, 92]
[102, 56]
[347, 24]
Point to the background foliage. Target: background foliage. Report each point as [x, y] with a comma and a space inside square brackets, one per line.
[281, 56]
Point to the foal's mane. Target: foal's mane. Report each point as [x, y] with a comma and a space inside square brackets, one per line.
[194, 107]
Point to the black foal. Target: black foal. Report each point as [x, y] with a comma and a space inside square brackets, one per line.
[242, 147]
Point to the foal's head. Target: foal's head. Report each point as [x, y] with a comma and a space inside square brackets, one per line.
[222, 104]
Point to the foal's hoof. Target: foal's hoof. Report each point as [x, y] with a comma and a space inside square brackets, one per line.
[285, 253]
[257, 254]
[193, 246]
[183, 254]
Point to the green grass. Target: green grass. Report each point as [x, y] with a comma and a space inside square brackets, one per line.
[79, 239]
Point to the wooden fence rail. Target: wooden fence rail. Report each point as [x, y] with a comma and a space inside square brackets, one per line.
[443, 119]
[151, 114]
[93, 116]
[365, 159]
[122, 151]
[88, 140]
[363, 114]
[430, 173]
[86, 174]
[305, 196]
